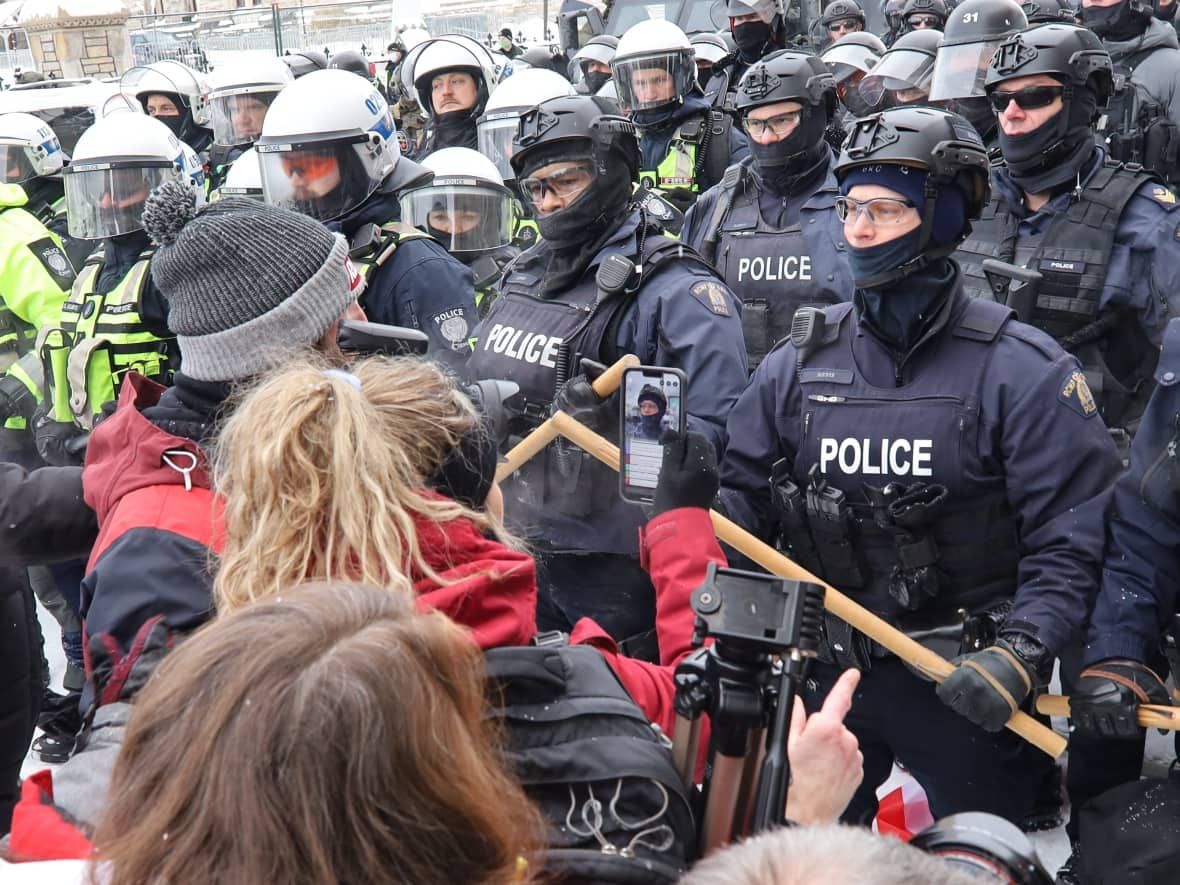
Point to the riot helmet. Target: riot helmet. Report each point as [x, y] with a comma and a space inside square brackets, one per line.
[244, 178]
[305, 61]
[924, 14]
[28, 149]
[352, 61]
[240, 96]
[1126, 20]
[968, 43]
[756, 27]
[849, 60]
[327, 144]
[593, 61]
[452, 54]
[117, 162]
[653, 69]
[891, 9]
[174, 93]
[496, 129]
[950, 153]
[466, 206]
[903, 75]
[841, 17]
[710, 51]
[1069, 62]
[1042, 12]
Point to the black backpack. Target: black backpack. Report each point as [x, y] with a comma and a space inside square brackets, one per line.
[600, 772]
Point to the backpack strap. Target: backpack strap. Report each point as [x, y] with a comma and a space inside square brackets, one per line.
[731, 181]
[715, 160]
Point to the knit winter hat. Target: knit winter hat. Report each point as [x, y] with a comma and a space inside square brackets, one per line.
[246, 283]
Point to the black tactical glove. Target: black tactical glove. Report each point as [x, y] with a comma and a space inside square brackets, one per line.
[988, 686]
[1108, 694]
[16, 400]
[576, 397]
[681, 197]
[688, 473]
[59, 443]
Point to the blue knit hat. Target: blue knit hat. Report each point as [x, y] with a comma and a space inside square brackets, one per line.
[950, 210]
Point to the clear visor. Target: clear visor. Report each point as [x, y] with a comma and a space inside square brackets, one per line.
[16, 166]
[897, 70]
[846, 59]
[102, 201]
[960, 70]
[463, 218]
[237, 117]
[653, 81]
[495, 142]
[321, 179]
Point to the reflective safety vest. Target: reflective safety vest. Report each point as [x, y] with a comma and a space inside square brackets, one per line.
[699, 148]
[372, 246]
[100, 338]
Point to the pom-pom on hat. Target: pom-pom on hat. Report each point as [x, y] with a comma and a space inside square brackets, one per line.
[246, 283]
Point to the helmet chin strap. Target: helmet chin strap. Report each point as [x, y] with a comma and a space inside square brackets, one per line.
[924, 257]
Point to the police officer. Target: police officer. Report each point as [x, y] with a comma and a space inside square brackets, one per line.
[686, 146]
[593, 63]
[238, 102]
[1044, 12]
[177, 95]
[452, 77]
[919, 14]
[1101, 236]
[903, 75]
[304, 61]
[969, 41]
[850, 59]
[910, 440]
[758, 29]
[770, 227]
[602, 282]
[467, 209]
[114, 319]
[840, 18]
[328, 150]
[1142, 123]
[711, 53]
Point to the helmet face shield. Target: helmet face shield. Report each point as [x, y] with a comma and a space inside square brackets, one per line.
[15, 165]
[237, 114]
[495, 134]
[106, 199]
[323, 179]
[899, 69]
[845, 60]
[653, 81]
[465, 218]
[961, 69]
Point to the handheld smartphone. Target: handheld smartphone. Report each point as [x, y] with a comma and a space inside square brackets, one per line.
[653, 401]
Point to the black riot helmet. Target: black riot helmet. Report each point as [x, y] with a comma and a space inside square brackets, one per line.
[928, 8]
[1070, 53]
[849, 59]
[975, 21]
[1040, 12]
[838, 10]
[788, 75]
[907, 67]
[575, 124]
[937, 142]
[305, 61]
[352, 61]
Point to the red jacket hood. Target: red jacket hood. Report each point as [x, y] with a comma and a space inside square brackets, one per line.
[126, 451]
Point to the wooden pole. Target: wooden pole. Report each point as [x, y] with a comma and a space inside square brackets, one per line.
[1150, 715]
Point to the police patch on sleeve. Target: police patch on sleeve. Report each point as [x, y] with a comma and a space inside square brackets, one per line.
[712, 295]
[452, 325]
[54, 260]
[1163, 195]
[1075, 393]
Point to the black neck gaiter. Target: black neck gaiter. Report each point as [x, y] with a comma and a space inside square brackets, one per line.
[898, 315]
[1053, 153]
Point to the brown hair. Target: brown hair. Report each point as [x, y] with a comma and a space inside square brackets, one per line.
[332, 735]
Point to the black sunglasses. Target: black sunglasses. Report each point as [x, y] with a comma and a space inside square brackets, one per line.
[1026, 99]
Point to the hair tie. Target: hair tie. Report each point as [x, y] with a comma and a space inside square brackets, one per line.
[343, 376]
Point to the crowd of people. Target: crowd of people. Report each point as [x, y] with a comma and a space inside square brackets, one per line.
[271, 332]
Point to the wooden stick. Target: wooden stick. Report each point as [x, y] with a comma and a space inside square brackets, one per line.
[1150, 715]
[910, 651]
[604, 385]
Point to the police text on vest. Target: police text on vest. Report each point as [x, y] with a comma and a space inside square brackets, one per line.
[775, 267]
[895, 457]
[517, 344]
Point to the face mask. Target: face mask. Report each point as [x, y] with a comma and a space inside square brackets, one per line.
[751, 38]
[1055, 151]
[456, 129]
[870, 261]
[175, 124]
[595, 80]
[781, 163]
[977, 112]
[1115, 22]
[505, 44]
[586, 217]
[897, 314]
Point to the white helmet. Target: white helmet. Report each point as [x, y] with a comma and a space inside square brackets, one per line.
[411, 37]
[240, 96]
[117, 162]
[710, 48]
[653, 65]
[327, 143]
[169, 77]
[465, 207]
[453, 52]
[28, 149]
[497, 127]
[244, 178]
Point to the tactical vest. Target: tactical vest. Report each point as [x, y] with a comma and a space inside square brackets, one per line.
[775, 272]
[865, 451]
[17, 337]
[1135, 128]
[486, 271]
[372, 245]
[699, 148]
[1073, 255]
[101, 337]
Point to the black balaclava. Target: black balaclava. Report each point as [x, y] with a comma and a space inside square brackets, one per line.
[1053, 153]
[650, 425]
[753, 39]
[595, 80]
[783, 163]
[1116, 23]
[978, 112]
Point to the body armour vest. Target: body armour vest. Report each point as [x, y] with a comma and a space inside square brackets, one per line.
[774, 272]
[1072, 256]
[894, 502]
[699, 148]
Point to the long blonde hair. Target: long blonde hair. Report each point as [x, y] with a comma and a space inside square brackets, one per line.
[322, 475]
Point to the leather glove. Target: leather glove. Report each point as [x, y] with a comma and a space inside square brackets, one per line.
[1108, 695]
[576, 397]
[688, 473]
[681, 197]
[59, 443]
[988, 686]
[16, 400]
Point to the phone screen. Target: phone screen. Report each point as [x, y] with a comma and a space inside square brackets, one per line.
[652, 403]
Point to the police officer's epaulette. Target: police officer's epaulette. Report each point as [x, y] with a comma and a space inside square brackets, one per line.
[1034, 337]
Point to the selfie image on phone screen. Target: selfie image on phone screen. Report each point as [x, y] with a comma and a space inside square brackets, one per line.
[652, 404]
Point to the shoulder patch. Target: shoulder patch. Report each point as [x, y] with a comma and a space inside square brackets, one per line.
[54, 260]
[713, 295]
[1162, 195]
[1075, 393]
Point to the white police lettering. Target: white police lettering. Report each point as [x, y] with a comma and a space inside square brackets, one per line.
[892, 457]
[517, 344]
[775, 267]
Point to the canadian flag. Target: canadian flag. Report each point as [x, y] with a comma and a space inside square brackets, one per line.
[904, 811]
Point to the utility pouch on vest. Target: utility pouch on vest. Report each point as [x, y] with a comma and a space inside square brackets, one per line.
[756, 330]
[830, 520]
[790, 510]
[844, 646]
[1161, 148]
[908, 515]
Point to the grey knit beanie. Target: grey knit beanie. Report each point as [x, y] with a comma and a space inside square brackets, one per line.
[246, 283]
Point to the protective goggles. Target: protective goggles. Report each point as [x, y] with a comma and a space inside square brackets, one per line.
[563, 183]
[883, 211]
[847, 24]
[308, 165]
[1026, 99]
[779, 124]
[924, 21]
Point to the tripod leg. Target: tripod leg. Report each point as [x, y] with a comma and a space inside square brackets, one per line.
[724, 787]
[686, 740]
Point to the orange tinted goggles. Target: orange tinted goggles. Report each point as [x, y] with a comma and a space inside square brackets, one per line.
[301, 164]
